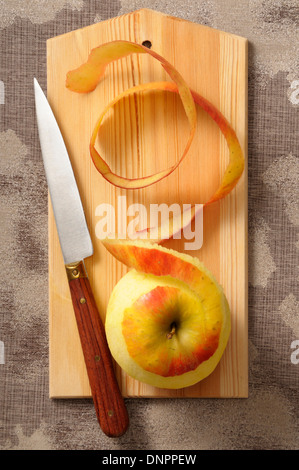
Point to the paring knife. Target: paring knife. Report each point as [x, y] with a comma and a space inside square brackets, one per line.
[76, 245]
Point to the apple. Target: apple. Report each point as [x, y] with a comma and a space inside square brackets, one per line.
[168, 320]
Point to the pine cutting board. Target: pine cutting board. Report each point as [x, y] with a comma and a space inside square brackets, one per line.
[143, 134]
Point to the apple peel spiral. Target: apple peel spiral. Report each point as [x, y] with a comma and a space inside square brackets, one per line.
[168, 320]
[86, 78]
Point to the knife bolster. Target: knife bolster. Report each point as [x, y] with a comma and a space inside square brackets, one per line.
[76, 270]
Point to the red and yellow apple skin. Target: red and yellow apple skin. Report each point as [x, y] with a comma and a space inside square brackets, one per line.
[167, 321]
[85, 79]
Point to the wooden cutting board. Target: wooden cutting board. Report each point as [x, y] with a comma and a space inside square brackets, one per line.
[143, 134]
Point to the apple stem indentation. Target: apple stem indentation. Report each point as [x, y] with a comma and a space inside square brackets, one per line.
[172, 331]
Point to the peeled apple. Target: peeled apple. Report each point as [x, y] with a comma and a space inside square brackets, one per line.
[167, 320]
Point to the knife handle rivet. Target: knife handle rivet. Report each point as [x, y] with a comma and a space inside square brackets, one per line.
[110, 413]
[97, 358]
[82, 300]
[75, 270]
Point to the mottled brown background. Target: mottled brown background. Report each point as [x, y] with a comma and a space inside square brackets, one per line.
[268, 419]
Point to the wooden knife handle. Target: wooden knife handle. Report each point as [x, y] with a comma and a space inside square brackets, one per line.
[108, 401]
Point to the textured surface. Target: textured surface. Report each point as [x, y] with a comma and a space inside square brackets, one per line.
[268, 419]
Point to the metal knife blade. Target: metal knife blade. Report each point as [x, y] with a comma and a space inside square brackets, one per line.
[69, 216]
[76, 245]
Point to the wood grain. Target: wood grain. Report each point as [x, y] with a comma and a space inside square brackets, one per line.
[142, 135]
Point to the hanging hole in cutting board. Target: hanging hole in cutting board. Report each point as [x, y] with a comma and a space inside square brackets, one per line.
[147, 44]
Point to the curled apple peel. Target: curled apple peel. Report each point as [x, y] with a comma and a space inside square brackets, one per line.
[167, 320]
[85, 79]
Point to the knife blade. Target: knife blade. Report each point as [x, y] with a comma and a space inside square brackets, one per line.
[76, 245]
